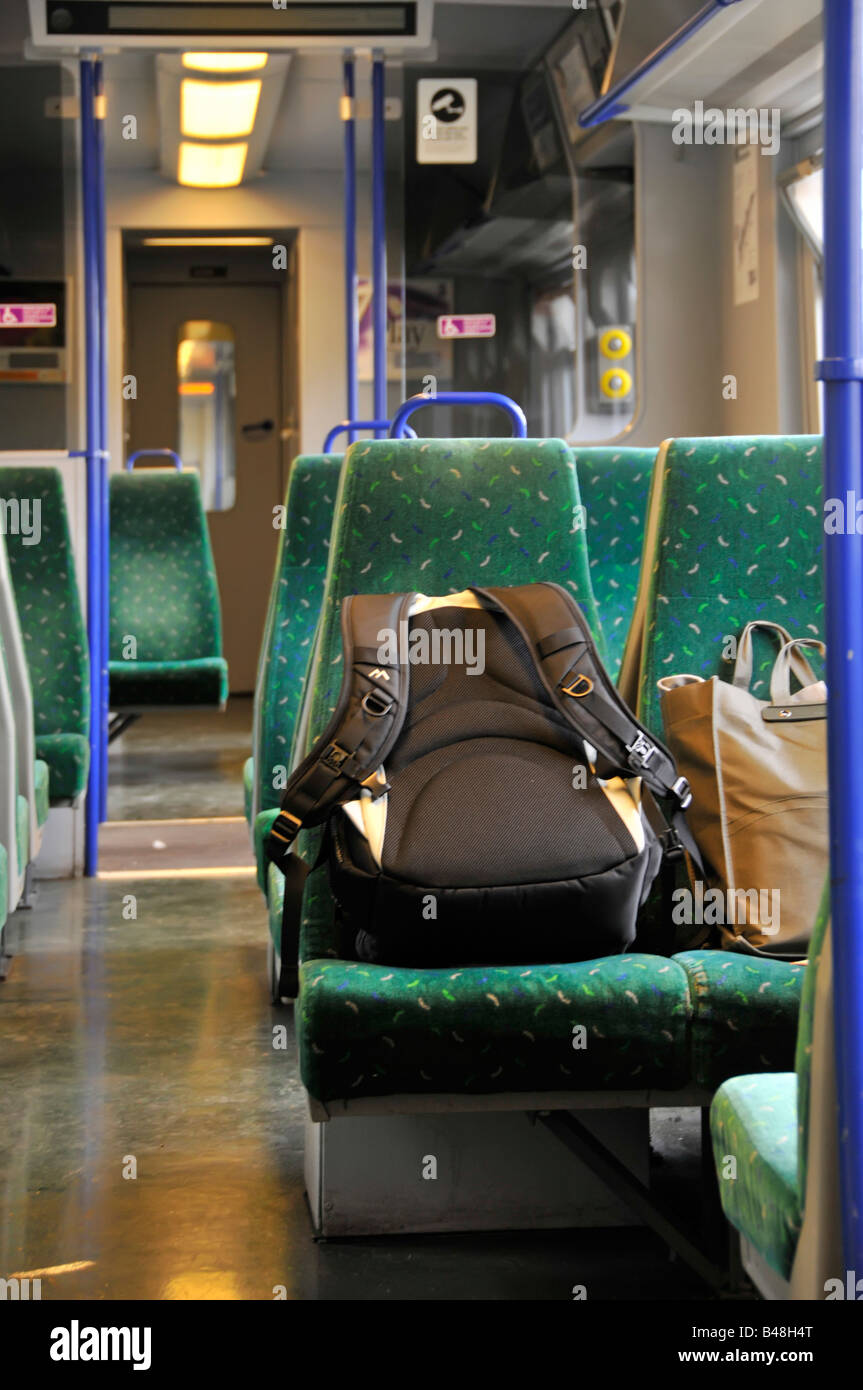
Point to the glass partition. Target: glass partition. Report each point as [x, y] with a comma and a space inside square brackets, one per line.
[206, 387]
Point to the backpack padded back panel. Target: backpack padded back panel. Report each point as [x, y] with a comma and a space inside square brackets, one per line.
[437, 515]
[485, 823]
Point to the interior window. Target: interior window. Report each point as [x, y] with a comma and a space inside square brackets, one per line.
[206, 385]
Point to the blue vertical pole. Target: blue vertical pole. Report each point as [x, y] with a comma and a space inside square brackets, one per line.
[352, 327]
[94, 488]
[99, 196]
[842, 373]
[379, 243]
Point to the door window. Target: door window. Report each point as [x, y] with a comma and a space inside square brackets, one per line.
[206, 386]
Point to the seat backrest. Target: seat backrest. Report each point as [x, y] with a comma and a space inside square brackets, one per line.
[48, 603]
[292, 617]
[21, 693]
[734, 532]
[163, 580]
[436, 516]
[614, 484]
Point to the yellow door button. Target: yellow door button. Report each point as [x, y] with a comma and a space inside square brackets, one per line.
[616, 383]
[615, 343]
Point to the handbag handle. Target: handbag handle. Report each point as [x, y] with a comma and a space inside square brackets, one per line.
[780, 677]
[742, 677]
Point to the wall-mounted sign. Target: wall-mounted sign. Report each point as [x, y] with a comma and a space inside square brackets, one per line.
[28, 315]
[446, 120]
[466, 326]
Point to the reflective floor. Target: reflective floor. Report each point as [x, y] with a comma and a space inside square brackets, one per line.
[151, 1139]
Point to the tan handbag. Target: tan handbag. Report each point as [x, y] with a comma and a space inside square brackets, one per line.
[758, 772]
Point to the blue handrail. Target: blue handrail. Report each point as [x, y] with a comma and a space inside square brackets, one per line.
[515, 412]
[610, 104]
[379, 241]
[352, 327]
[96, 519]
[349, 426]
[146, 453]
[842, 374]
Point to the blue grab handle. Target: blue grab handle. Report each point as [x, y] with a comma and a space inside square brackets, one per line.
[399, 428]
[351, 425]
[144, 453]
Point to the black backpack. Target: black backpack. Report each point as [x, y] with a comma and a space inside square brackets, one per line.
[479, 811]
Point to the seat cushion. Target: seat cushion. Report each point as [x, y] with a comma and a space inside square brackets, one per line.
[753, 1120]
[744, 1013]
[41, 781]
[376, 1030]
[68, 759]
[145, 683]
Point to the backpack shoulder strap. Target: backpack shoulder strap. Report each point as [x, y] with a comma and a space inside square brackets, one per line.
[559, 640]
[366, 723]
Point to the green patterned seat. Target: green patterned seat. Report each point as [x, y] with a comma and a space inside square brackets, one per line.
[753, 1121]
[744, 1013]
[165, 633]
[614, 485]
[42, 785]
[55, 643]
[437, 515]
[734, 533]
[295, 605]
[763, 1123]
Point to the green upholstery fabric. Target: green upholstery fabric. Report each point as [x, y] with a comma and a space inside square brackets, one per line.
[744, 1013]
[741, 537]
[41, 783]
[372, 1030]
[260, 831]
[803, 1057]
[200, 682]
[55, 641]
[68, 759]
[163, 593]
[753, 1119]
[614, 485]
[295, 604]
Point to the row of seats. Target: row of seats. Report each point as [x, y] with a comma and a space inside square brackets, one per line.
[44, 673]
[731, 535]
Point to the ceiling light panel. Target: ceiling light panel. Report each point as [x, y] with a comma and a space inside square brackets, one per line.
[218, 110]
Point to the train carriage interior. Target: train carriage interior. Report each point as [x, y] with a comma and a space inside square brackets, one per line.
[431, 855]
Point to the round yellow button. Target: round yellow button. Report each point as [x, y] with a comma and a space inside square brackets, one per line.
[615, 343]
[616, 383]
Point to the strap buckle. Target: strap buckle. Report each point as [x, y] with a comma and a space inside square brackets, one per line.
[580, 686]
[683, 792]
[377, 703]
[641, 751]
[283, 832]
